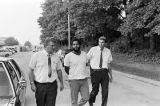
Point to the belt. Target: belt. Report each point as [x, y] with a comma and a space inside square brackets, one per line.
[44, 83]
[102, 69]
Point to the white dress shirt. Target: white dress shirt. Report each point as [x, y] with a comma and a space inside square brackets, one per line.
[39, 62]
[94, 57]
[77, 65]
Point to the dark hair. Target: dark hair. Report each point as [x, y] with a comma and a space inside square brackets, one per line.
[102, 38]
[47, 40]
[77, 41]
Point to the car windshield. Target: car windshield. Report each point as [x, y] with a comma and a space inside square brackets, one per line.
[6, 92]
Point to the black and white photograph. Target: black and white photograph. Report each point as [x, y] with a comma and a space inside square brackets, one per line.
[79, 52]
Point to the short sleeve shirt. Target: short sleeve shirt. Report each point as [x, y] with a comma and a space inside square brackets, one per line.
[94, 57]
[39, 62]
[77, 65]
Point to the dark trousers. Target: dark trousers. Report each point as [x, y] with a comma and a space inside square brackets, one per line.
[99, 77]
[46, 93]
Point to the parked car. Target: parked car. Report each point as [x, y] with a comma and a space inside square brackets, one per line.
[5, 53]
[10, 50]
[13, 49]
[12, 83]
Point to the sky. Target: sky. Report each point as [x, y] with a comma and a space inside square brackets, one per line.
[18, 19]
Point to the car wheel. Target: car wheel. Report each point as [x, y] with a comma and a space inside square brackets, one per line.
[6, 55]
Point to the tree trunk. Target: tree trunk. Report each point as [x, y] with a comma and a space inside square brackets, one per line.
[129, 40]
[152, 42]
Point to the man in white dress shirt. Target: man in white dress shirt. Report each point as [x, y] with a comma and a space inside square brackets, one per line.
[45, 67]
[100, 58]
[75, 66]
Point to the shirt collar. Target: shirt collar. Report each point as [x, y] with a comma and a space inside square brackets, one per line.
[45, 52]
[100, 48]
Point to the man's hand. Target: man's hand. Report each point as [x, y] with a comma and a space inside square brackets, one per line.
[110, 75]
[33, 87]
[61, 87]
[110, 78]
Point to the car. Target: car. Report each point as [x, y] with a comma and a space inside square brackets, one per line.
[14, 50]
[10, 50]
[5, 53]
[12, 83]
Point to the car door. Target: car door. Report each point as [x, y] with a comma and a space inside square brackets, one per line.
[7, 92]
[21, 76]
[18, 86]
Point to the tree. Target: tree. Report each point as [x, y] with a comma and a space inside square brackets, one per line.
[28, 43]
[142, 16]
[88, 19]
[10, 41]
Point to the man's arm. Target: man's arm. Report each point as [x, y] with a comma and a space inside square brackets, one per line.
[66, 69]
[60, 77]
[110, 72]
[67, 64]
[32, 66]
[31, 78]
[109, 66]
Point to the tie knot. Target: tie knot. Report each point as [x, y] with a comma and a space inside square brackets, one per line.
[101, 49]
[49, 55]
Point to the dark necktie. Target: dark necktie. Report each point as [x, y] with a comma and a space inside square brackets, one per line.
[49, 66]
[101, 60]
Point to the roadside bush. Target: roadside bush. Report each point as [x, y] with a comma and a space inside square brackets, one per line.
[147, 56]
[121, 45]
[144, 56]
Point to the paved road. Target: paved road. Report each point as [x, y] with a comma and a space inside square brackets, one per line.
[125, 90]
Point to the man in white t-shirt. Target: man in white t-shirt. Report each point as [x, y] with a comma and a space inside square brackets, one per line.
[75, 66]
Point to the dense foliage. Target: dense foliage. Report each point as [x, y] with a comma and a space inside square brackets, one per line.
[28, 43]
[88, 19]
[142, 25]
[10, 41]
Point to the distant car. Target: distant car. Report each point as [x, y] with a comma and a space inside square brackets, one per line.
[10, 50]
[14, 50]
[12, 83]
[5, 53]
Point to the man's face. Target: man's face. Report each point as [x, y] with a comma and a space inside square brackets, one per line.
[76, 46]
[50, 47]
[101, 44]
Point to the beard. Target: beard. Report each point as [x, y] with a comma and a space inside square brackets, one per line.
[76, 50]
